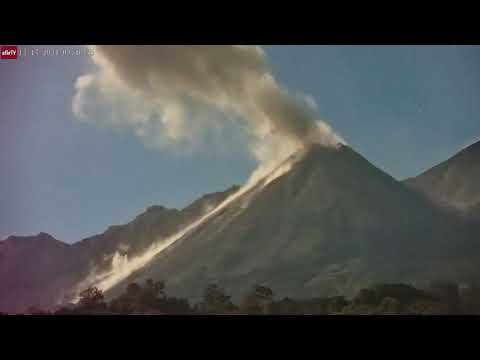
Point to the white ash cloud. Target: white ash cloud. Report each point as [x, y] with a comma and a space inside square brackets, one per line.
[174, 94]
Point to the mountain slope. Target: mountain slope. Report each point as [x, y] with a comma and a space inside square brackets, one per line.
[330, 225]
[155, 223]
[454, 182]
[40, 270]
[32, 268]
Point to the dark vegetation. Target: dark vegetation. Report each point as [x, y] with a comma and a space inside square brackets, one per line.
[384, 299]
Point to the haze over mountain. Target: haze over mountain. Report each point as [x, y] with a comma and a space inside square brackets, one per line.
[32, 268]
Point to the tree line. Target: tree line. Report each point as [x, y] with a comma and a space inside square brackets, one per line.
[383, 299]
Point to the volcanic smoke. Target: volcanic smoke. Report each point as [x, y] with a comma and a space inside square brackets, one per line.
[154, 90]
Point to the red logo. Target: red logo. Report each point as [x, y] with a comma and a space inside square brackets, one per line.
[8, 52]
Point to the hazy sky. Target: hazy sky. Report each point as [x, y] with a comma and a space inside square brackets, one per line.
[405, 108]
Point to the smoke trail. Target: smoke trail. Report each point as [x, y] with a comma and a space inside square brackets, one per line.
[122, 266]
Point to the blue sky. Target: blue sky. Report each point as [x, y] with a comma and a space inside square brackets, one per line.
[405, 108]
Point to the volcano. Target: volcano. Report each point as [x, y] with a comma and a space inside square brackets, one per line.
[330, 225]
[327, 222]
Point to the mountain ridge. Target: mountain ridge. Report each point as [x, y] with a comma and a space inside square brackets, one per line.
[330, 225]
[453, 182]
[54, 267]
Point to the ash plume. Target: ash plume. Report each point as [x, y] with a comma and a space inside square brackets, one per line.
[168, 93]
